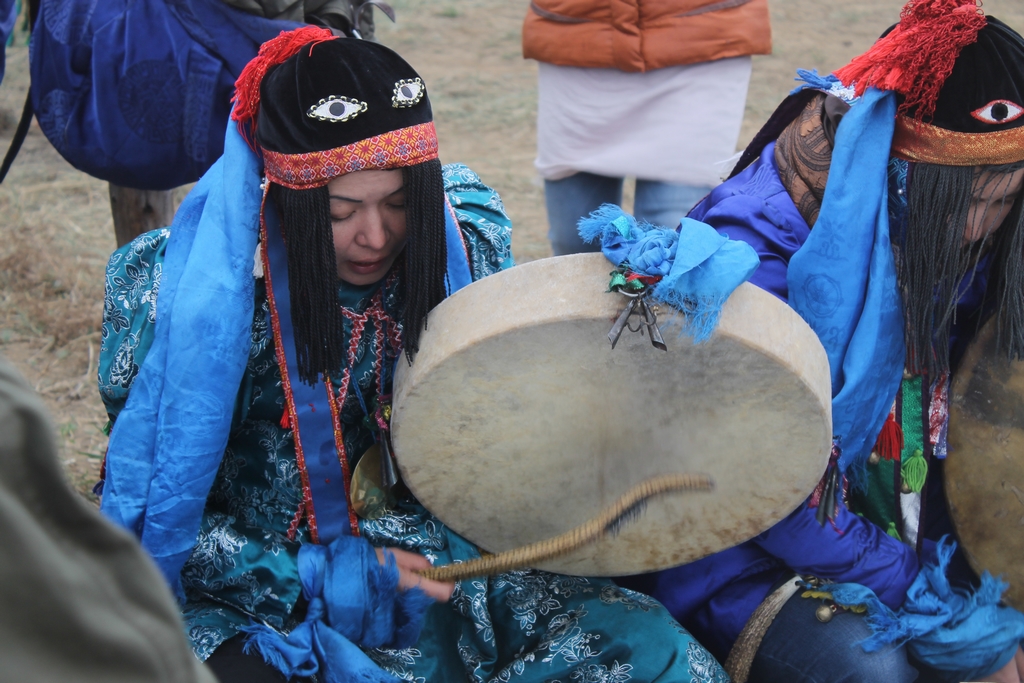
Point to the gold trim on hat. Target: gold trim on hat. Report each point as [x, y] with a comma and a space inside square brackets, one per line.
[915, 140]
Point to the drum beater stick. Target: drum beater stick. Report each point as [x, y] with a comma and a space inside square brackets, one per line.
[626, 508]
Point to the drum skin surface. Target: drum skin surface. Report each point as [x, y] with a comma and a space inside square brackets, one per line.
[984, 470]
[517, 421]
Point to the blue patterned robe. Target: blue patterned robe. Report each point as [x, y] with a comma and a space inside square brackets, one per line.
[523, 625]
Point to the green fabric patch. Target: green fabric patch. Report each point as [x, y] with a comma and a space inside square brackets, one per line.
[880, 502]
[914, 468]
[877, 502]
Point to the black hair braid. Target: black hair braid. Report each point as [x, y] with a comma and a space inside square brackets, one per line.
[425, 250]
[312, 280]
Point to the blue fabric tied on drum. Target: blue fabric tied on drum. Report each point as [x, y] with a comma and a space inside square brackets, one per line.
[699, 268]
[654, 253]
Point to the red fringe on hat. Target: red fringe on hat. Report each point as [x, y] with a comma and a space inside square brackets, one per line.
[276, 50]
[918, 55]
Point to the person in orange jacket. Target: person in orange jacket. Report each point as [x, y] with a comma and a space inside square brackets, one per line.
[620, 84]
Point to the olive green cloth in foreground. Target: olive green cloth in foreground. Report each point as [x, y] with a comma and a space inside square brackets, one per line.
[79, 599]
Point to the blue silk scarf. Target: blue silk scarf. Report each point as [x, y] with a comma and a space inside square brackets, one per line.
[842, 281]
[353, 602]
[168, 441]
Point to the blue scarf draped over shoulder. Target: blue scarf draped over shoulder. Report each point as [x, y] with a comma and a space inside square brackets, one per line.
[168, 441]
[842, 281]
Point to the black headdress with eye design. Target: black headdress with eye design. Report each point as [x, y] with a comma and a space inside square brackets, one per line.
[952, 69]
[358, 78]
[319, 107]
[985, 91]
[966, 143]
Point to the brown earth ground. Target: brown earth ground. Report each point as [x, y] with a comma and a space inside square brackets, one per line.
[56, 230]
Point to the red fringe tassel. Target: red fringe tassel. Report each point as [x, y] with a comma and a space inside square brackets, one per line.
[890, 440]
[246, 99]
[918, 55]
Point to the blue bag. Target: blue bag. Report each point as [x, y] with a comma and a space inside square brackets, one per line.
[8, 15]
[137, 92]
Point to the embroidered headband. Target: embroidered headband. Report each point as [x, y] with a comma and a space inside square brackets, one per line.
[395, 149]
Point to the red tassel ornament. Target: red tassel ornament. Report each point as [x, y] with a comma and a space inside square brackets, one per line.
[246, 99]
[917, 56]
[890, 440]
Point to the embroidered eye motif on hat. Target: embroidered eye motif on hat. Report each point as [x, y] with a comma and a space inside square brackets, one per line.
[407, 93]
[336, 108]
[998, 111]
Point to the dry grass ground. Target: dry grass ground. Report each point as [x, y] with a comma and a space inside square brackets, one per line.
[57, 233]
[56, 230]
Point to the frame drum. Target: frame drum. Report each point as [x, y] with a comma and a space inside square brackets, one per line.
[517, 421]
[984, 470]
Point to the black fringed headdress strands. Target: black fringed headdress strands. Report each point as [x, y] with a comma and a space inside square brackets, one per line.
[319, 107]
[313, 278]
[930, 268]
[955, 214]
[426, 249]
[1008, 277]
[960, 79]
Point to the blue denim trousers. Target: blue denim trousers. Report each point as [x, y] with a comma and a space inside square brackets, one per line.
[800, 649]
[569, 199]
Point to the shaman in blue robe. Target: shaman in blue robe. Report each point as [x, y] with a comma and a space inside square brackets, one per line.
[716, 596]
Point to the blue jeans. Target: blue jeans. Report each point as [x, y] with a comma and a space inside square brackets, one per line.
[800, 649]
[569, 199]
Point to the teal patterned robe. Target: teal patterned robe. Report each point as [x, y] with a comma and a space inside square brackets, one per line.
[523, 625]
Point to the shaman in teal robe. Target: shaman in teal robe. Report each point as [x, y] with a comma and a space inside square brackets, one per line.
[523, 625]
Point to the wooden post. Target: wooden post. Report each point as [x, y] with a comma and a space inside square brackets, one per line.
[138, 211]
